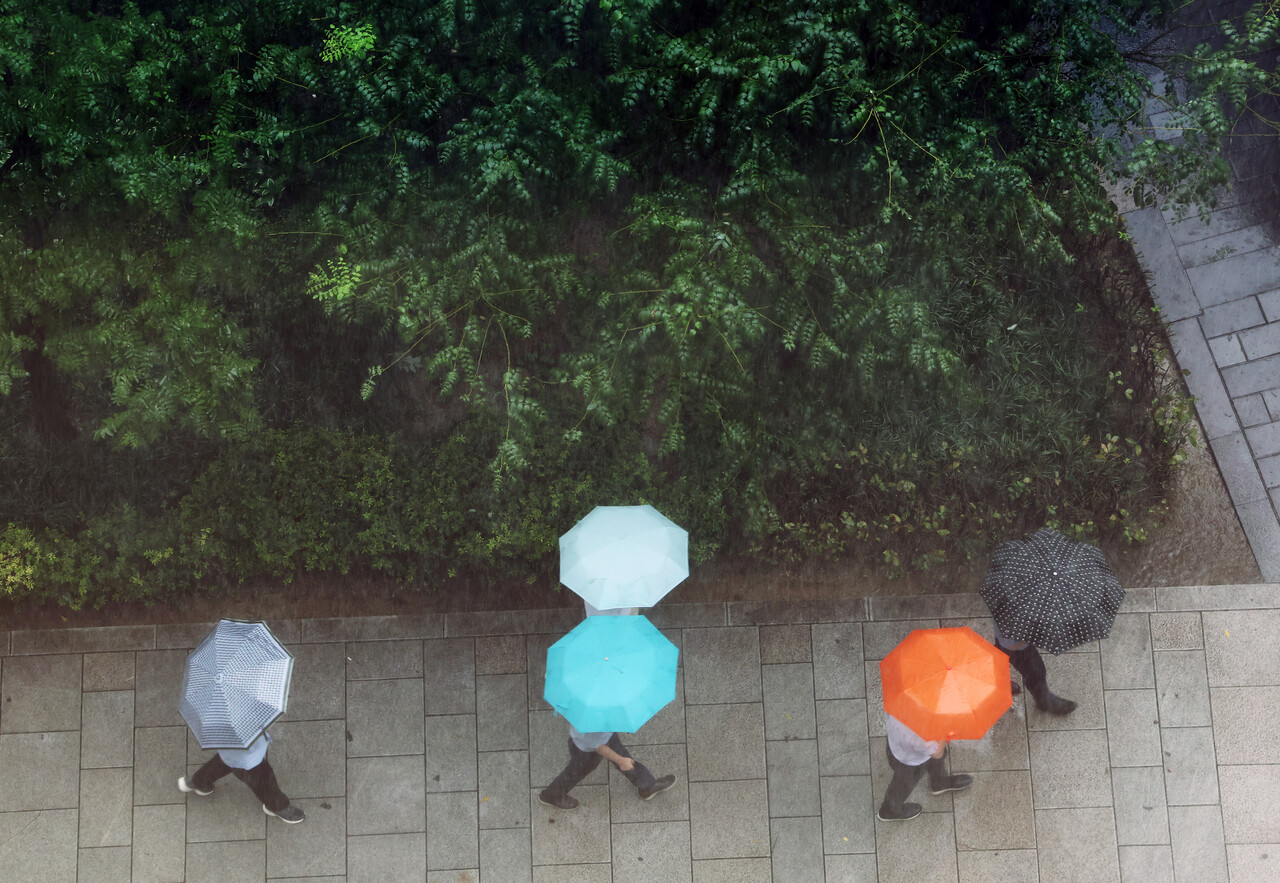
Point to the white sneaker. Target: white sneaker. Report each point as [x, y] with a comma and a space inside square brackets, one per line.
[187, 788]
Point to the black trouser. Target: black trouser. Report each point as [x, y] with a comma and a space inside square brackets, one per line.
[905, 778]
[1030, 665]
[581, 763]
[261, 780]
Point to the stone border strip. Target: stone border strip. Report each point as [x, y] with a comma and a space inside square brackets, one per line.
[968, 605]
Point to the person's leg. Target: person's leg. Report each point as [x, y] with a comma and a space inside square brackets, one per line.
[1030, 664]
[580, 765]
[213, 770]
[639, 775]
[939, 781]
[262, 781]
[900, 787]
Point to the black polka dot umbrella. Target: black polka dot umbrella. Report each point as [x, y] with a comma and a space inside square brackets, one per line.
[1052, 592]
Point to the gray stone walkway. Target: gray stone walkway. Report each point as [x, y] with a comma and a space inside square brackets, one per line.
[417, 745]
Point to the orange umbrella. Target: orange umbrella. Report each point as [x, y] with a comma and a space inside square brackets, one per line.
[946, 683]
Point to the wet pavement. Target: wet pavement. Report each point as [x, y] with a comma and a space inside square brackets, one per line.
[417, 746]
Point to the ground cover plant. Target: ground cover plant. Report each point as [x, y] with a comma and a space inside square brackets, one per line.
[408, 288]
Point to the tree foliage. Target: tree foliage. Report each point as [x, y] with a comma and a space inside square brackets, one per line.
[804, 272]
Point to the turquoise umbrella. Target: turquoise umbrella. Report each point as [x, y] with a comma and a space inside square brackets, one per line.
[624, 556]
[611, 674]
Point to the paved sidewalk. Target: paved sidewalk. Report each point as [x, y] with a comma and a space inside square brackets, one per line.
[417, 745]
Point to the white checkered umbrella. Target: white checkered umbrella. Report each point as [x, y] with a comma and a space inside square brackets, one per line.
[235, 684]
[1051, 592]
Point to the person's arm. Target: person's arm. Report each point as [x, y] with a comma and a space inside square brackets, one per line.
[942, 749]
[623, 763]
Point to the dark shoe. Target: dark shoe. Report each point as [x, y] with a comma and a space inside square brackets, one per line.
[187, 788]
[1015, 688]
[658, 787]
[909, 812]
[565, 802]
[290, 814]
[954, 783]
[1055, 705]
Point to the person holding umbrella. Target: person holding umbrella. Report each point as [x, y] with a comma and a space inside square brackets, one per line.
[1048, 591]
[610, 674]
[938, 685]
[235, 685]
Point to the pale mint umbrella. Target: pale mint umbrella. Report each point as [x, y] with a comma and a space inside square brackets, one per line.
[611, 674]
[624, 556]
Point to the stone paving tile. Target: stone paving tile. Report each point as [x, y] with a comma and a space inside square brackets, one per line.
[1225, 245]
[1133, 727]
[159, 843]
[1244, 721]
[501, 718]
[711, 614]
[588, 873]
[237, 861]
[1070, 769]
[1264, 440]
[995, 812]
[793, 778]
[796, 847]
[1227, 350]
[1004, 747]
[83, 640]
[1250, 803]
[838, 661]
[1252, 861]
[451, 759]
[924, 849]
[452, 831]
[721, 665]
[848, 814]
[1252, 410]
[108, 671]
[503, 789]
[384, 717]
[385, 795]
[580, 836]
[41, 694]
[232, 812]
[1077, 845]
[777, 612]
[1270, 468]
[1237, 276]
[1271, 309]
[465, 875]
[380, 660]
[650, 852]
[1076, 676]
[372, 628]
[735, 870]
[105, 863]
[1199, 852]
[1146, 864]
[1190, 766]
[549, 750]
[729, 819]
[38, 847]
[1237, 597]
[310, 758]
[1176, 631]
[879, 638]
[1213, 404]
[536, 646]
[1241, 649]
[725, 742]
[160, 757]
[505, 855]
[1155, 246]
[1126, 654]
[318, 690]
[1258, 518]
[785, 643]
[383, 857]
[668, 725]
[788, 701]
[1142, 815]
[557, 621]
[875, 702]
[158, 682]
[501, 655]
[450, 671]
[843, 743]
[851, 868]
[106, 735]
[106, 807]
[1251, 377]
[671, 805]
[316, 848]
[1006, 864]
[1182, 688]
[1260, 342]
[39, 771]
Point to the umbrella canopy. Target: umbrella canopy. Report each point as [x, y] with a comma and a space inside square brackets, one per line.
[235, 684]
[1052, 592]
[946, 683]
[611, 674]
[624, 556]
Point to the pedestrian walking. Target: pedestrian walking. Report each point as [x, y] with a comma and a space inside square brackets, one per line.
[585, 753]
[910, 757]
[249, 765]
[1030, 664]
